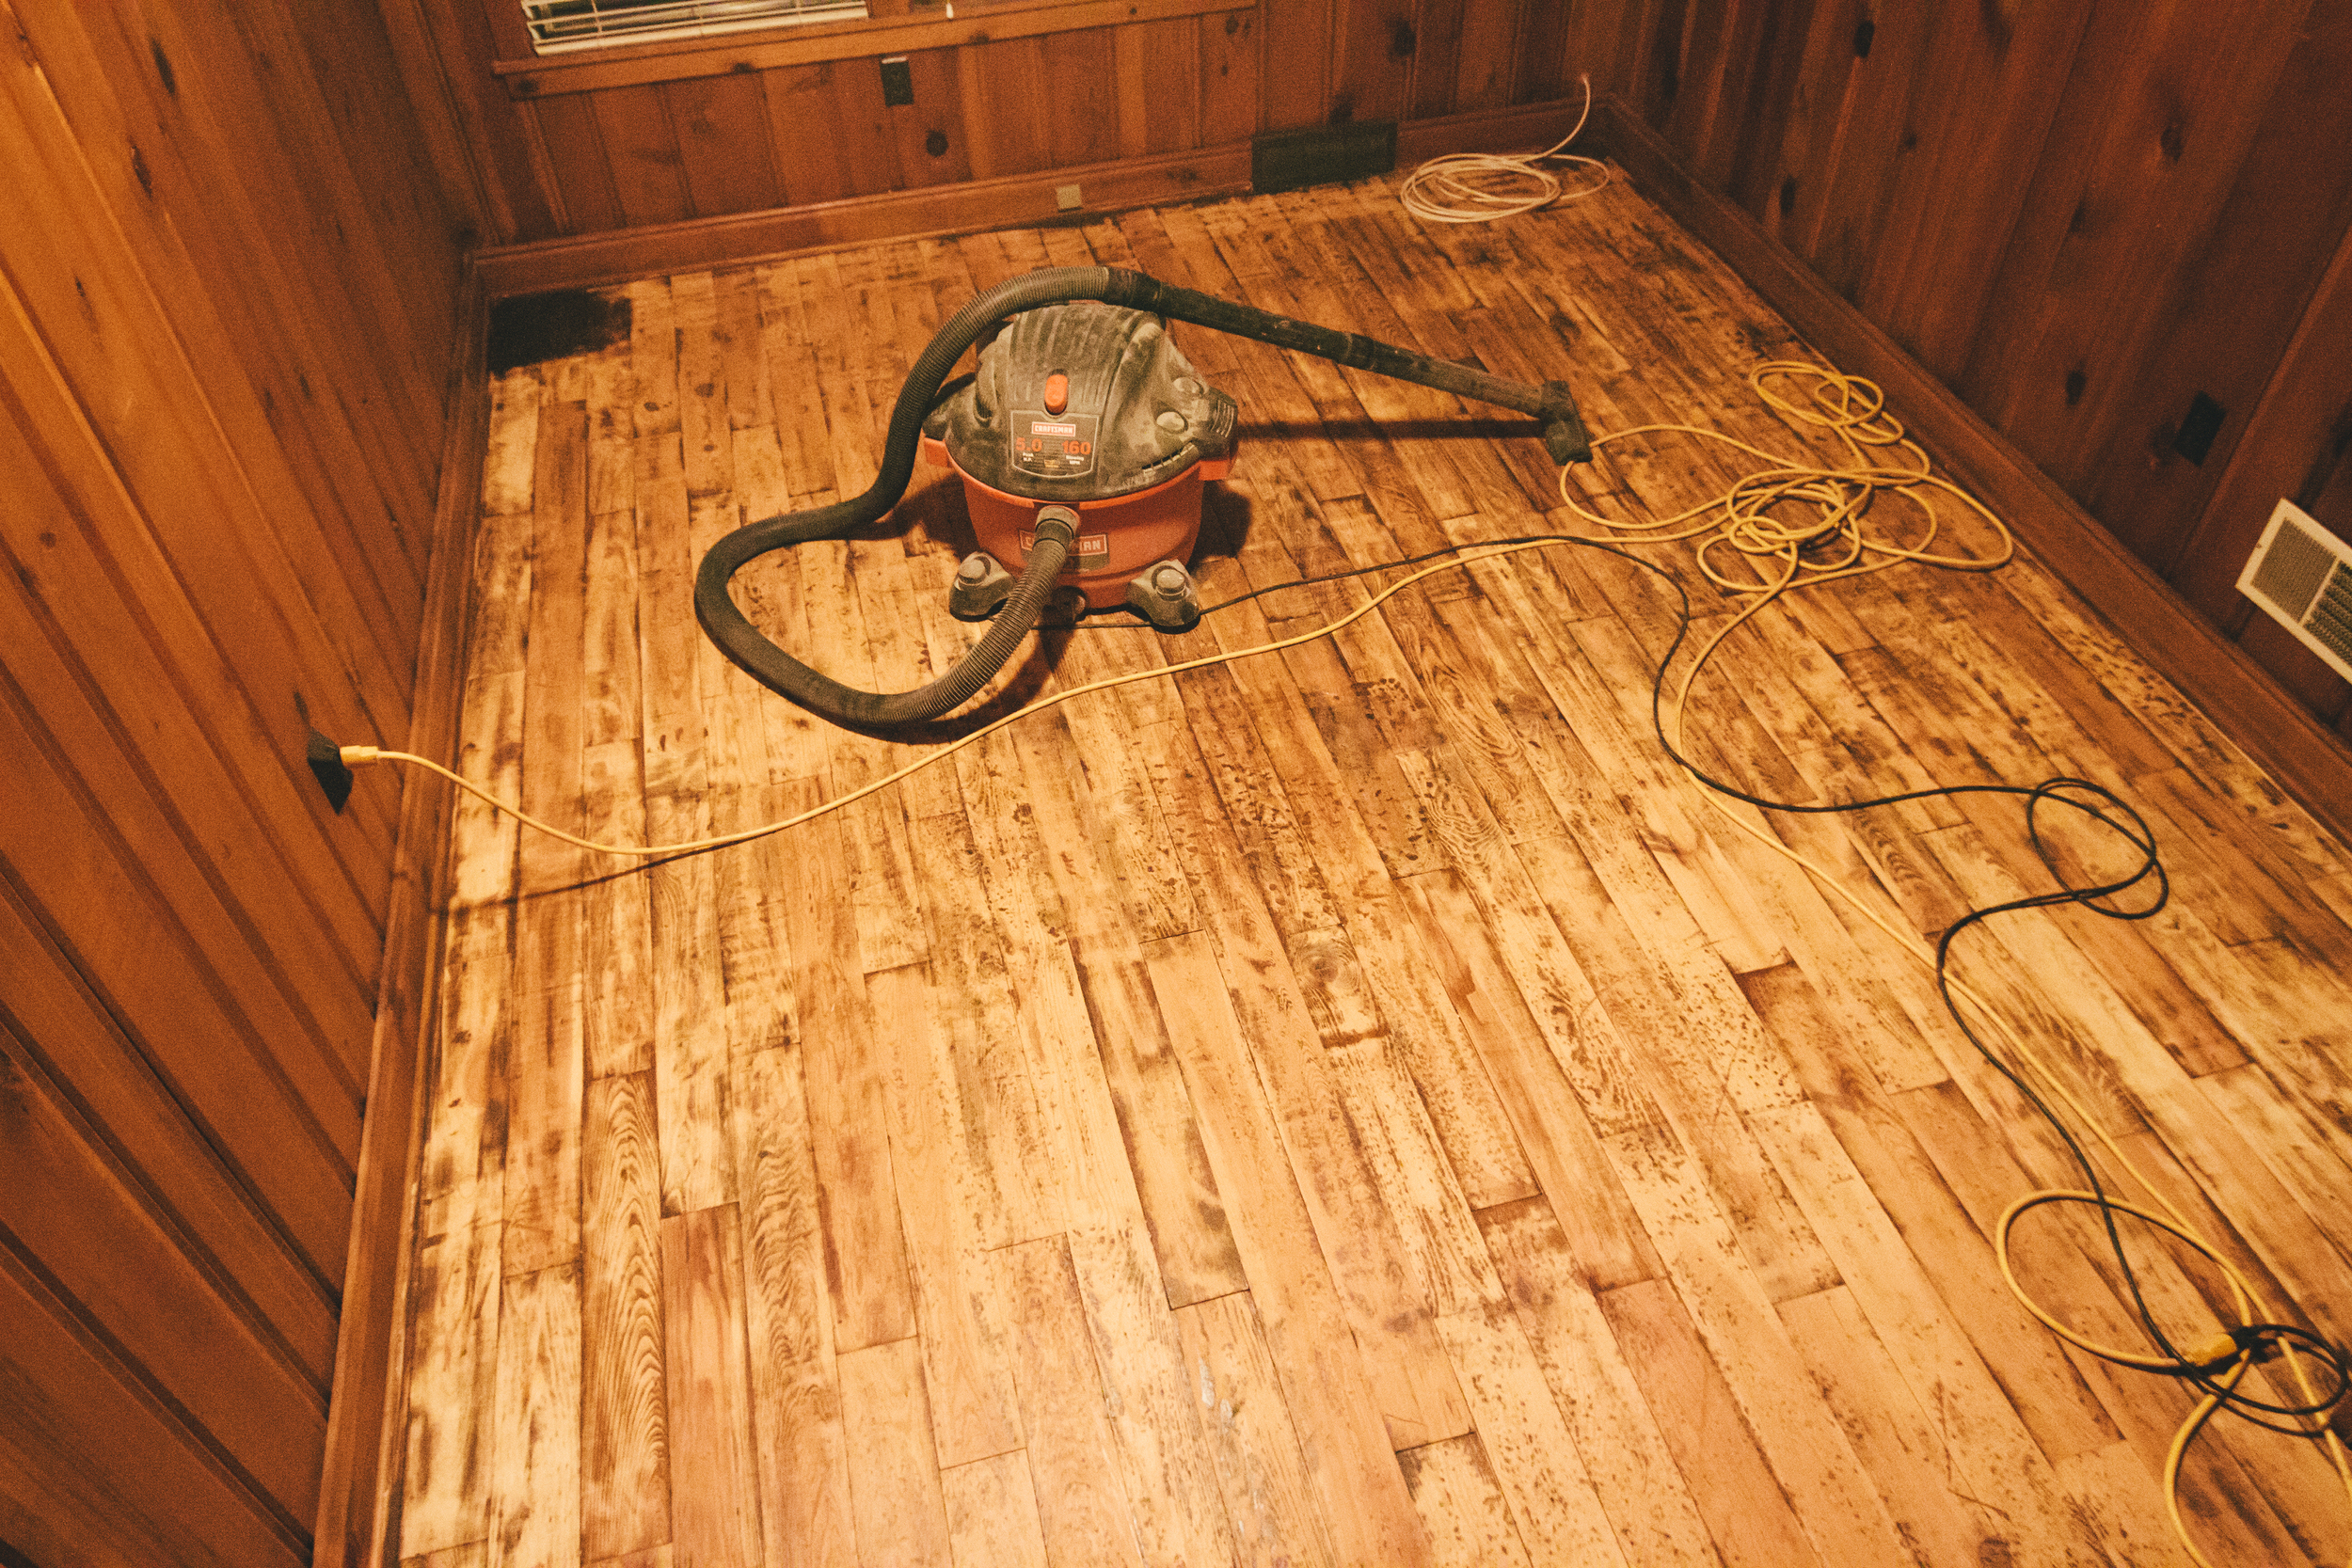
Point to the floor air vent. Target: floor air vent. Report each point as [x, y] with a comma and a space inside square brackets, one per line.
[2302, 576]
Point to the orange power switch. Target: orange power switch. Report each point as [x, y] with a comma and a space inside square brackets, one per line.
[1057, 392]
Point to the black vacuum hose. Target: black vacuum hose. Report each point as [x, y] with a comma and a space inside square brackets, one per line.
[742, 642]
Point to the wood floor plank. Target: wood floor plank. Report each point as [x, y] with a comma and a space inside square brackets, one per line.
[1163, 1450]
[893, 1475]
[616, 916]
[1898, 1439]
[545, 1069]
[689, 1032]
[992, 1513]
[1836, 1503]
[1081, 1504]
[1615, 1430]
[1005, 1157]
[804, 1465]
[1527, 1440]
[965, 1350]
[474, 1554]
[1888, 1289]
[1416, 1388]
[1323, 1379]
[1403, 998]
[1607, 1237]
[1448, 1266]
[1174, 1180]
[1273, 1520]
[2061, 1412]
[1731, 1481]
[1467, 1517]
[534, 1483]
[653, 350]
[453, 1432]
[866, 1262]
[2067, 1267]
[714, 1489]
[625, 1436]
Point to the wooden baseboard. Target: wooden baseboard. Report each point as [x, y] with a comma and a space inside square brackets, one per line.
[1014, 201]
[2236, 695]
[366, 1416]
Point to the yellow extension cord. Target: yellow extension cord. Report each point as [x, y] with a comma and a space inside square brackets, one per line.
[1834, 539]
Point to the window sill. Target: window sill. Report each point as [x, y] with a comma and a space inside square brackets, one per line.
[816, 42]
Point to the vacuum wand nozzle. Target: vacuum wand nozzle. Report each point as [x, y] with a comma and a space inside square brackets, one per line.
[1563, 428]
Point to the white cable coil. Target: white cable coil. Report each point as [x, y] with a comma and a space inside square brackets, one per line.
[1479, 187]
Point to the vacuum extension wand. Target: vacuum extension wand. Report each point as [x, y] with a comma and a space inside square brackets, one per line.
[726, 626]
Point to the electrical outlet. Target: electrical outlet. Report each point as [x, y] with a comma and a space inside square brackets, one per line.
[1067, 199]
[2199, 426]
[898, 81]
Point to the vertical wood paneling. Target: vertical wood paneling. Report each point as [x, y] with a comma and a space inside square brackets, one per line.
[825, 168]
[867, 149]
[1487, 54]
[2150, 136]
[2079, 215]
[1295, 68]
[1544, 72]
[1983, 109]
[992, 106]
[577, 160]
[231, 292]
[642, 155]
[1171, 91]
[2235, 312]
[1229, 77]
[721, 131]
[1003, 84]
[930, 132]
[2295, 444]
[1373, 60]
[1437, 53]
[90, 1457]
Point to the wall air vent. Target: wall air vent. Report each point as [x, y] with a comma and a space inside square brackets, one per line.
[2301, 576]
[558, 25]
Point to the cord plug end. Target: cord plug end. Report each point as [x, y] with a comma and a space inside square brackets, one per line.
[360, 756]
[2219, 1351]
[327, 762]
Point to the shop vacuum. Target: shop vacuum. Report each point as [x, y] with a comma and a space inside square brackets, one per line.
[1083, 441]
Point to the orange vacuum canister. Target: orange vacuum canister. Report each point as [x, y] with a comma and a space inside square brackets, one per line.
[1091, 411]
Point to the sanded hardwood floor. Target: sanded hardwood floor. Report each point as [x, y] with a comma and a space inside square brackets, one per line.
[1354, 1106]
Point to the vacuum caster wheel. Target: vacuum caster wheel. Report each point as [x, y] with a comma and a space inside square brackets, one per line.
[1165, 596]
[982, 586]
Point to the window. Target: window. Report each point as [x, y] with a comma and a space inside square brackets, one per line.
[559, 25]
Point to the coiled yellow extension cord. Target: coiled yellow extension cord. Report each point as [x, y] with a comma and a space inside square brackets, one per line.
[1830, 544]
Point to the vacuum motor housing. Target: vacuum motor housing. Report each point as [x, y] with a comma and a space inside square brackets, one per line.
[1091, 409]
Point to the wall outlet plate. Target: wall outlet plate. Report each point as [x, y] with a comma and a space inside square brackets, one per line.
[1067, 197]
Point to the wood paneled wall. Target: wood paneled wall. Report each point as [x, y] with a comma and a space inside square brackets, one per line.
[600, 140]
[2080, 214]
[229, 298]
